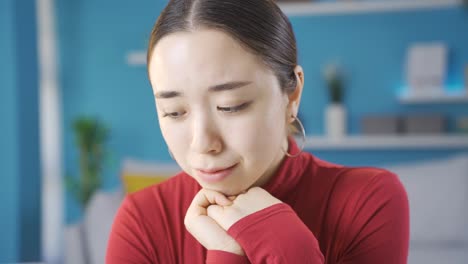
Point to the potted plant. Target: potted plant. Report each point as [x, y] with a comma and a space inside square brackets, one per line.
[91, 136]
[335, 112]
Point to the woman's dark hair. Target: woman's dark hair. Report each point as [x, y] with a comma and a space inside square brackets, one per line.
[259, 26]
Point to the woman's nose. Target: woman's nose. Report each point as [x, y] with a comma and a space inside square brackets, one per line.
[205, 136]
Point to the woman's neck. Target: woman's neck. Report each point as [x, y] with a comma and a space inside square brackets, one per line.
[271, 171]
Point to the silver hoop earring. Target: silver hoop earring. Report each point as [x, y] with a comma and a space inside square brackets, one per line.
[303, 135]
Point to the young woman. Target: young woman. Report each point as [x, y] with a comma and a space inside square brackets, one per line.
[227, 88]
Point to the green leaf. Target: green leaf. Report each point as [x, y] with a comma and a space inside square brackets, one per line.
[74, 187]
[91, 136]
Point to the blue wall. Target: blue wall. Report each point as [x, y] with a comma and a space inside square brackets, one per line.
[372, 48]
[96, 35]
[27, 98]
[19, 154]
[8, 136]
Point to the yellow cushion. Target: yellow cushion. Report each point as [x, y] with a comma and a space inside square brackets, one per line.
[136, 182]
[138, 174]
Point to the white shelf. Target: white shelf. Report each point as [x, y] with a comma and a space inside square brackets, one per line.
[363, 6]
[377, 142]
[444, 98]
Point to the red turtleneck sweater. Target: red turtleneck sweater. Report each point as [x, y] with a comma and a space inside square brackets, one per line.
[330, 214]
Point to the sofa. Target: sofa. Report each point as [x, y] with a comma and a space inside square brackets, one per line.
[438, 197]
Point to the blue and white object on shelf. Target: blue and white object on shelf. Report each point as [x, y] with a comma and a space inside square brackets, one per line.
[459, 95]
[426, 68]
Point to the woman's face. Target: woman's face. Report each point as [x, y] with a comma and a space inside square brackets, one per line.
[221, 111]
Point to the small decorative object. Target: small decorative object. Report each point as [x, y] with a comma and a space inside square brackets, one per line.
[426, 69]
[381, 125]
[424, 124]
[91, 136]
[462, 125]
[335, 112]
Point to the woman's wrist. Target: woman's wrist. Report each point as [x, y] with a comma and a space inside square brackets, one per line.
[232, 247]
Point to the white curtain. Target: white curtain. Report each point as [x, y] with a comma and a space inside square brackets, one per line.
[50, 135]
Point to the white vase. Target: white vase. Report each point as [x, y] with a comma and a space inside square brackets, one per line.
[335, 121]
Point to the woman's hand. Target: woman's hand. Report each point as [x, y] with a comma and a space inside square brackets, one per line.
[205, 230]
[254, 200]
[211, 214]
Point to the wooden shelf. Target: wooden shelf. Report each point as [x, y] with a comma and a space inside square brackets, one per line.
[378, 142]
[357, 6]
[460, 97]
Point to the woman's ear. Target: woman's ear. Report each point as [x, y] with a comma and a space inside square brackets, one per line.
[295, 97]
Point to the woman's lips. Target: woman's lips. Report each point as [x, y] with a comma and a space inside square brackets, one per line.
[215, 175]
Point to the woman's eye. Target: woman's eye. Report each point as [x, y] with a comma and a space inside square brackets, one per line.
[174, 115]
[234, 109]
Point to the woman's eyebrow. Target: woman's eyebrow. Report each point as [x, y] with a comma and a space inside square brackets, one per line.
[216, 88]
[167, 94]
[228, 86]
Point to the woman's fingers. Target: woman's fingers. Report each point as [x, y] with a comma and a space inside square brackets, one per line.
[208, 197]
[205, 198]
[204, 228]
[214, 211]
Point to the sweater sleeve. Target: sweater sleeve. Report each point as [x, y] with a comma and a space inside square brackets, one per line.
[128, 242]
[218, 256]
[379, 225]
[276, 235]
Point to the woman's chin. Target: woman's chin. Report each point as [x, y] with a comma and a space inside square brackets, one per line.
[227, 191]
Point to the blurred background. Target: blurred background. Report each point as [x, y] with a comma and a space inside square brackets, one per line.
[385, 85]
